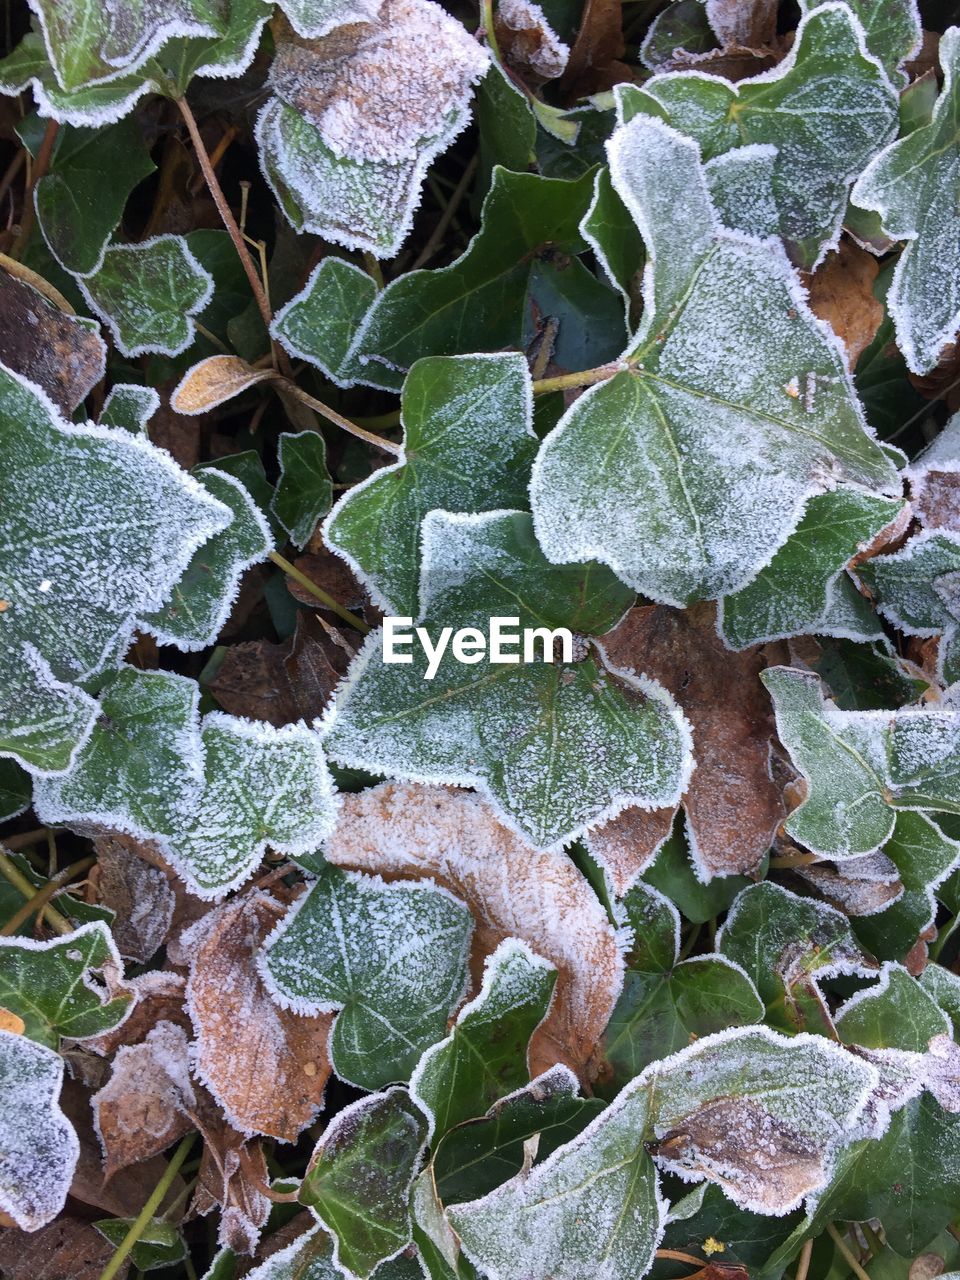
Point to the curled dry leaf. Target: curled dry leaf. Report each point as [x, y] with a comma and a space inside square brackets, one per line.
[627, 844]
[841, 292]
[733, 805]
[527, 41]
[855, 895]
[159, 997]
[265, 1066]
[214, 381]
[139, 894]
[39, 341]
[751, 24]
[231, 1170]
[594, 59]
[411, 831]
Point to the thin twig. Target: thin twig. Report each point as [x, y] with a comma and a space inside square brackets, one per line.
[846, 1253]
[10, 871]
[153, 1203]
[41, 897]
[803, 1262]
[337, 419]
[326, 600]
[28, 214]
[674, 1255]
[14, 167]
[440, 230]
[585, 378]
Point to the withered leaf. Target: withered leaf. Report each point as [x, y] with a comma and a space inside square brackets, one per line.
[214, 381]
[627, 844]
[265, 1066]
[409, 831]
[733, 805]
[67, 1249]
[527, 42]
[139, 894]
[841, 292]
[594, 58]
[159, 997]
[752, 24]
[231, 1170]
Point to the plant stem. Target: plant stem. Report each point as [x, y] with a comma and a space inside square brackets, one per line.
[40, 897]
[803, 1262]
[29, 211]
[440, 230]
[60, 924]
[154, 1201]
[226, 214]
[845, 1252]
[674, 1255]
[373, 269]
[337, 418]
[586, 378]
[326, 600]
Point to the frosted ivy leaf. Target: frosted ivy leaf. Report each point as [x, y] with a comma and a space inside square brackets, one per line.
[911, 186]
[828, 108]
[710, 458]
[894, 1012]
[891, 29]
[148, 294]
[484, 1057]
[593, 1207]
[843, 756]
[805, 588]
[200, 603]
[15, 790]
[97, 526]
[38, 1146]
[141, 771]
[320, 323]
[28, 67]
[360, 115]
[918, 589]
[309, 1257]
[129, 406]
[761, 1114]
[924, 756]
[312, 18]
[263, 787]
[390, 957]
[556, 746]
[934, 478]
[304, 489]
[944, 986]
[612, 234]
[788, 946]
[742, 188]
[468, 445]
[52, 987]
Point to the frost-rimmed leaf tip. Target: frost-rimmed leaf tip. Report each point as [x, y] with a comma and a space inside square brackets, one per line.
[687, 472]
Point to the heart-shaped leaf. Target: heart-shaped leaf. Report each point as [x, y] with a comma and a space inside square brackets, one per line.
[304, 490]
[321, 322]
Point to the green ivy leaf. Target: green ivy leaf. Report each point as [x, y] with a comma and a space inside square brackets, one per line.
[129, 406]
[359, 1177]
[909, 185]
[894, 1012]
[594, 1201]
[15, 787]
[468, 445]
[74, 580]
[681, 28]
[612, 232]
[321, 322]
[390, 957]
[891, 29]
[159, 1245]
[524, 253]
[827, 108]
[789, 945]
[304, 489]
[148, 294]
[555, 746]
[49, 984]
[484, 1056]
[201, 601]
[667, 1003]
[685, 501]
[944, 986]
[805, 589]
[866, 677]
[38, 1147]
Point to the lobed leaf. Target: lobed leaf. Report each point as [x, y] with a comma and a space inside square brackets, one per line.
[304, 490]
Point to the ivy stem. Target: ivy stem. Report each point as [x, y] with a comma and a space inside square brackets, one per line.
[39, 899]
[228, 220]
[9, 870]
[337, 418]
[29, 212]
[585, 378]
[153, 1203]
[326, 600]
[674, 1255]
[783, 861]
[846, 1253]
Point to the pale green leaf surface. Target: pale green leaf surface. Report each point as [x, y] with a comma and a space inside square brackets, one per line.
[891, 29]
[895, 1012]
[390, 957]
[315, 18]
[321, 322]
[129, 406]
[304, 489]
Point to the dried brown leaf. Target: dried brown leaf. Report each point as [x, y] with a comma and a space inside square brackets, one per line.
[160, 997]
[841, 293]
[732, 63]
[854, 896]
[733, 805]
[752, 24]
[627, 844]
[409, 831]
[67, 1249]
[594, 64]
[231, 1170]
[42, 343]
[214, 381]
[528, 43]
[139, 894]
[265, 1066]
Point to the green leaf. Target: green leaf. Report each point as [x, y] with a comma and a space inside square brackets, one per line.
[891, 29]
[148, 294]
[667, 1003]
[943, 985]
[74, 580]
[390, 957]
[159, 1245]
[27, 67]
[321, 322]
[201, 602]
[359, 1178]
[555, 746]
[682, 27]
[15, 789]
[309, 1257]
[827, 108]
[81, 200]
[508, 127]
[910, 186]
[38, 1147]
[594, 1203]
[612, 232]
[129, 406]
[706, 1217]
[864, 677]
[673, 874]
[304, 489]
[894, 1012]
[708, 461]
[468, 446]
[50, 984]
[789, 945]
[805, 588]
[484, 1056]
[524, 253]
